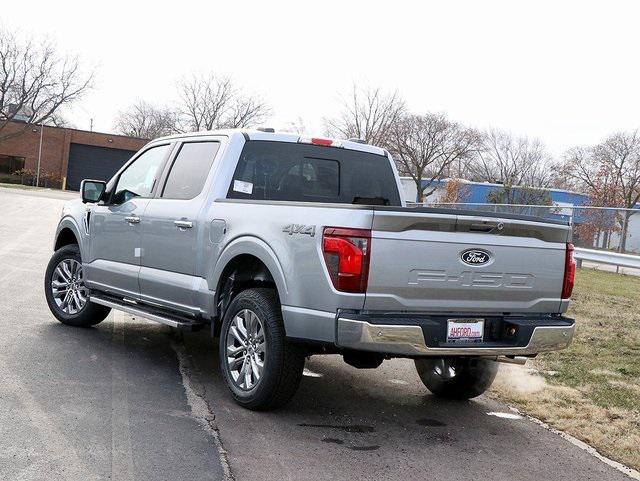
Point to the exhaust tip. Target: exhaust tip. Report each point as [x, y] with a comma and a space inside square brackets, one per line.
[521, 360]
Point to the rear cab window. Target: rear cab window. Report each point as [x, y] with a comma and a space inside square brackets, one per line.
[310, 173]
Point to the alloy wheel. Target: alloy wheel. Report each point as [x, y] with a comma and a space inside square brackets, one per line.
[67, 286]
[246, 349]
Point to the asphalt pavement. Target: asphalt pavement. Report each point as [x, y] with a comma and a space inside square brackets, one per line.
[133, 400]
[84, 404]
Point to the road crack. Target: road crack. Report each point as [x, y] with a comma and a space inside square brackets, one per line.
[201, 410]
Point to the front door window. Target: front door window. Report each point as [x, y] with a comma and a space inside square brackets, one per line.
[139, 179]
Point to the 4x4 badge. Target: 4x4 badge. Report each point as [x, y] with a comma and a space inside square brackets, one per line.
[291, 229]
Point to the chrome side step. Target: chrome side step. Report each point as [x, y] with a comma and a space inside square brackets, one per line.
[127, 306]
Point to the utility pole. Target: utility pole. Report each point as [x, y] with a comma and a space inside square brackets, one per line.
[39, 155]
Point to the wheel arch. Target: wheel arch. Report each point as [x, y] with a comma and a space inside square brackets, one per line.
[245, 262]
[65, 237]
[68, 233]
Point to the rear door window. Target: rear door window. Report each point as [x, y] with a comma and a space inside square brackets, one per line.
[190, 170]
[310, 173]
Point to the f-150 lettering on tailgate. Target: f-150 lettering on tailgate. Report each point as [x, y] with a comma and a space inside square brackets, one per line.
[419, 277]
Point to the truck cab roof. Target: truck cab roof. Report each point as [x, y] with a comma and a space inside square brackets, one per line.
[253, 134]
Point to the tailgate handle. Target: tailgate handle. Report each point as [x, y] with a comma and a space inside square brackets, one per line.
[486, 227]
[481, 227]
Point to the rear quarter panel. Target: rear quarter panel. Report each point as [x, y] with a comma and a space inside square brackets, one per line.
[305, 282]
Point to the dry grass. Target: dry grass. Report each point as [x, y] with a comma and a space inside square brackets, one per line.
[592, 389]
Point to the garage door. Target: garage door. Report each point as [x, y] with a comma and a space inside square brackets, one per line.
[90, 162]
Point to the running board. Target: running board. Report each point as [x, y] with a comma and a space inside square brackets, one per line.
[131, 307]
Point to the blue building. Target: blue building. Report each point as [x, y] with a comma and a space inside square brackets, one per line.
[478, 192]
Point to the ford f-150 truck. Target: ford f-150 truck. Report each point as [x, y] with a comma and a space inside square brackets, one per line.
[290, 246]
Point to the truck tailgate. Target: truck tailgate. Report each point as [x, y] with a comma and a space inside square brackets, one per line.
[432, 260]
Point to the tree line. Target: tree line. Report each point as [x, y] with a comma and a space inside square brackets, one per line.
[37, 84]
[429, 146]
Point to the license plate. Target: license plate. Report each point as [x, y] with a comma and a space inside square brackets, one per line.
[465, 330]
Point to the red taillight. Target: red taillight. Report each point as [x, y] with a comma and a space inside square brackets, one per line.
[346, 254]
[569, 272]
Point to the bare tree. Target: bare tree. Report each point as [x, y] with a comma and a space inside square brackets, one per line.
[368, 114]
[426, 146]
[620, 153]
[511, 160]
[610, 173]
[35, 82]
[296, 126]
[146, 121]
[246, 112]
[213, 102]
[520, 164]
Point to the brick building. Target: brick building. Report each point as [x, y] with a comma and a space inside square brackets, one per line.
[68, 155]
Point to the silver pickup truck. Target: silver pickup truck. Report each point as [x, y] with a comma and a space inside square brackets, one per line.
[289, 246]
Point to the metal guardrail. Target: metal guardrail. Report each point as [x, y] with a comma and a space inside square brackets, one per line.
[606, 257]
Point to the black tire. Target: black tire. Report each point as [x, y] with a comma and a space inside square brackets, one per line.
[473, 376]
[283, 361]
[91, 314]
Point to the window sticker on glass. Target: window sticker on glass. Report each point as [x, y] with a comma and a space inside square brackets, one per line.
[243, 187]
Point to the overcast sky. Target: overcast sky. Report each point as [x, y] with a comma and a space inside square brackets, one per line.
[564, 71]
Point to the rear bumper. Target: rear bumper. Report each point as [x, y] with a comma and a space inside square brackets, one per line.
[411, 336]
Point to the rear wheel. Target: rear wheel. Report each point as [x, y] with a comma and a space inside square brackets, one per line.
[261, 368]
[456, 377]
[66, 293]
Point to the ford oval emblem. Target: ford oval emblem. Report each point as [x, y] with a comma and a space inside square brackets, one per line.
[475, 257]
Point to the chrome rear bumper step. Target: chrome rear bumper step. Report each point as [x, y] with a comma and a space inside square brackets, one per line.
[148, 312]
[409, 340]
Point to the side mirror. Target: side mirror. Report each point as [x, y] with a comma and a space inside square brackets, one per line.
[92, 190]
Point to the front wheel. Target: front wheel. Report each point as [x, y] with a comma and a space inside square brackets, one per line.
[456, 377]
[66, 294]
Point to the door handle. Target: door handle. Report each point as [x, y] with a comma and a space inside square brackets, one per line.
[183, 224]
[132, 219]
